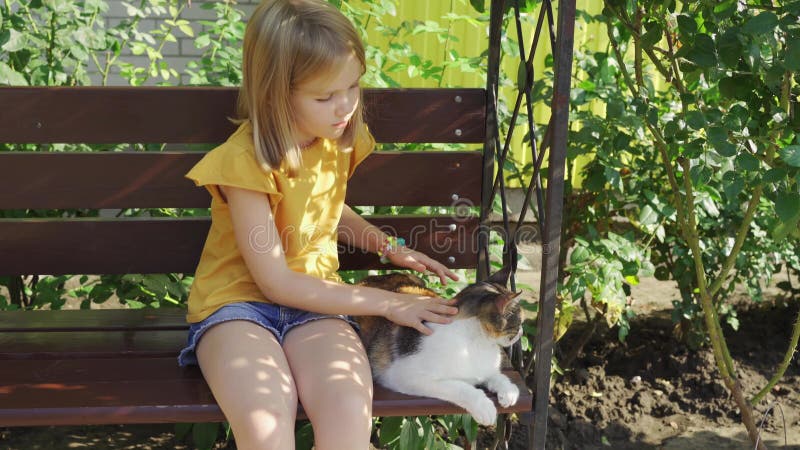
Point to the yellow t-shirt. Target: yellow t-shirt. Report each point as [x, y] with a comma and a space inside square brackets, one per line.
[306, 210]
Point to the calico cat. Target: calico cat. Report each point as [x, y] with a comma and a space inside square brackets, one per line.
[458, 356]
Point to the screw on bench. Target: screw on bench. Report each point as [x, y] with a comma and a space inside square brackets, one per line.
[458, 99]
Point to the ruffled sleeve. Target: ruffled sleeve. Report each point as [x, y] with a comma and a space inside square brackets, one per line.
[231, 165]
[364, 145]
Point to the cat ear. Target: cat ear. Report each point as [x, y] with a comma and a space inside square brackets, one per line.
[503, 301]
[501, 276]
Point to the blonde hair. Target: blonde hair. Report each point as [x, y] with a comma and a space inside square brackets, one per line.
[287, 43]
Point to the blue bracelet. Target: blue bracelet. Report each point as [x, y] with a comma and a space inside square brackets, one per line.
[389, 245]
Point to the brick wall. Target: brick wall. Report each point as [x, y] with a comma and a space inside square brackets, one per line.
[177, 54]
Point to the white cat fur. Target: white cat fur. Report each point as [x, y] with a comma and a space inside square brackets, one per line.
[461, 356]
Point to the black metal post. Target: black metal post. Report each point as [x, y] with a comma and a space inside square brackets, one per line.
[551, 242]
[489, 150]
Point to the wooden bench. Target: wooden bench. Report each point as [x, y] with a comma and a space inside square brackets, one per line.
[119, 366]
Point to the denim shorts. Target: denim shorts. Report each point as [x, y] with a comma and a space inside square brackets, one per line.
[275, 318]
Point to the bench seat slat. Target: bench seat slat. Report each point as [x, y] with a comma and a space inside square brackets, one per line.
[200, 114]
[156, 180]
[161, 245]
[101, 377]
[148, 390]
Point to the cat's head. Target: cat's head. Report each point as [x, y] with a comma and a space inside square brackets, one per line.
[495, 306]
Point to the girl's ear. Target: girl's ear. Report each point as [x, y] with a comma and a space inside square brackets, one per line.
[501, 277]
[503, 301]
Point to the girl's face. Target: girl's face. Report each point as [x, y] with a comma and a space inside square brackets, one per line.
[323, 106]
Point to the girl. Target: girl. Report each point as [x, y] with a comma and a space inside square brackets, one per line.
[268, 310]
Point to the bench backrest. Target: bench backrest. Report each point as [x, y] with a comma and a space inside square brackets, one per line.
[138, 179]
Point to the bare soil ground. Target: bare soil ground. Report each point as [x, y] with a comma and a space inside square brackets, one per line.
[649, 392]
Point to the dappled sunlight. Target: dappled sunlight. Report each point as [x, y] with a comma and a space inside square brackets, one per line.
[103, 437]
[265, 422]
[240, 363]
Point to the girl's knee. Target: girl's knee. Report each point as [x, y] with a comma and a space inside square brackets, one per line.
[352, 415]
[264, 428]
[343, 410]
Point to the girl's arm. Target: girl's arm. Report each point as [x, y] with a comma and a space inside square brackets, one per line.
[355, 230]
[259, 243]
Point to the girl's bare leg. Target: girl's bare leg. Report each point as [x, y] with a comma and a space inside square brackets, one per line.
[247, 371]
[334, 382]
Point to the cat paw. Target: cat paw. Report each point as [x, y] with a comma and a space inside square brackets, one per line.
[484, 412]
[508, 396]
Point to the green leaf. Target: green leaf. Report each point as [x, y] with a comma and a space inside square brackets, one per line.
[789, 154]
[733, 321]
[717, 135]
[732, 184]
[725, 9]
[784, 229]
[182, 430]
[428, 435]
[304, 437]
[703, 52]
[736, 87]
[389, 7]
[653, 35]
[730, 48]
[753, 55]
[761, 24]
[579, 255]
[614, 108]
[748, 162]
[202, 41]
[390, 429]
[524, 5]
[687, 25]
[792, 60]
[696, 120]
[186, 29]
[700, 175]
[12, 40]
[787, 206]
[775, 175]
[409, 435]
[726, 149]
[479, 5]
[470, 427]
[11, 77]
[522, 76]
[648, 216]
[693, 149]
[204, 435]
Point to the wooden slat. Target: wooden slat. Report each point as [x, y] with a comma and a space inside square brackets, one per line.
[144, 245]
[146, 319]
[200, 114]
[91, 344]
[149, 390]
[156, 180]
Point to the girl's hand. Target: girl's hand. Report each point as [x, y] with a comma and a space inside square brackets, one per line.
[412, 310]
[412, 259]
